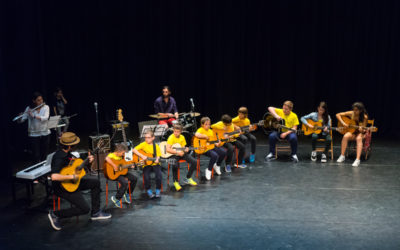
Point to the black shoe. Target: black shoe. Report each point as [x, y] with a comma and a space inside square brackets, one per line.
[54, 221]
[100, 215]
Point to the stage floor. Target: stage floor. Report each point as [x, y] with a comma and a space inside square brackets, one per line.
[275, 205]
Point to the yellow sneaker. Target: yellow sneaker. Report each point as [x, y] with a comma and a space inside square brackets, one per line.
[191, 182]
[177, 186]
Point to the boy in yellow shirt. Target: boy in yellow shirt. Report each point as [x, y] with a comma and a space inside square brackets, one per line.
[175, 138]
[118, 155]
[148, 146]
[242, 120]
[291, 121]
[216, 154]
[226, 125]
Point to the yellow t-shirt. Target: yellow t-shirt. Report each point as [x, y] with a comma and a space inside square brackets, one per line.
[148, 148]
[221, 126]
[241, 122]
[173, 140]
[290, 120]
[113, 156]
[208, 133]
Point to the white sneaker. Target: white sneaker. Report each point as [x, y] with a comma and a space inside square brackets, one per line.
[295, 159]
[323, 157]
[356, 163]
[217, 169]
[341, 158]
[270, 157]
[314, 155]
[208, 174]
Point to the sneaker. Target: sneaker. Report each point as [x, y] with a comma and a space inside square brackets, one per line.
[228, 168]
[241, 166]
[243, 162]
[191, 182]
[127, 198]
[341, 159]
[270, 157]
[116, 202]
[356, 163]
[100, 215]
[177, 186]
[323, 158]
[158, 193]
[313, 155]
[295, 159]
[54, 221]
[217, 169]
[252, 158]
[150, 194]
[208, 174]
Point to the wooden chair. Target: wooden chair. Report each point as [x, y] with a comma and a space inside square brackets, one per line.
[322, 149]
[366, 142]
[282, 146]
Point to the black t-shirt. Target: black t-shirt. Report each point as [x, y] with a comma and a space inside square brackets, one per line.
[60, 160]
[61, 107]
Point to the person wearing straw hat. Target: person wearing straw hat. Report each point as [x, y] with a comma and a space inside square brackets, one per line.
[61, 158]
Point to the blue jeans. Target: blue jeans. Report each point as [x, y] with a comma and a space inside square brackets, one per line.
[216, 155]
[275, 136]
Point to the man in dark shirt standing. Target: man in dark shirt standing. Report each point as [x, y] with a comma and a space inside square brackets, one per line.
[165, 106]
[60, 160]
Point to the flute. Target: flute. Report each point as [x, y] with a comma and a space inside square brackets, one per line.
[19, 117]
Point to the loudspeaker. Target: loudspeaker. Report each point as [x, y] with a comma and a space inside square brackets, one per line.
[102, 156]
[94, 140]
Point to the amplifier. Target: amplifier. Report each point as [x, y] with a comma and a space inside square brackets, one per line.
[94, 140]
[102, 156]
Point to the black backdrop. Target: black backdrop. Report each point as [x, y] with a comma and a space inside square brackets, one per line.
[224, 54]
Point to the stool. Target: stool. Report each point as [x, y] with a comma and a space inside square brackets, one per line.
[55, 197]
[284, 147]
[118, 186]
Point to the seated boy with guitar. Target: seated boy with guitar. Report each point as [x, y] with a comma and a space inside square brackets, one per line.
[115, 160]
[177, 139]
[63, 159]
[243, 122]
[150, 153]
[226, 130]
[319, 124]
[291, 121]
[203, 139]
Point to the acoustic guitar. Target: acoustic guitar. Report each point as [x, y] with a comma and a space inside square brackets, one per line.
[272, 124]
[76, 167]
[204, 145]
[317, 129]
[251, 127]
[176, 146]
[353, 127]
[123, 167]
[150, 159]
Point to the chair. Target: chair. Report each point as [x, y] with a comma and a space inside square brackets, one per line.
[366, 142]
[58, 198]
[198, 168]
[179, 175]
[282, 146]
[144, 185]
[118, 186]
[322, 149]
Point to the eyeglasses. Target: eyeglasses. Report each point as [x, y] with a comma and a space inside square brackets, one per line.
[147, 137]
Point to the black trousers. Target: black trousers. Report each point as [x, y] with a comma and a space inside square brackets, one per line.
[40, 147]
[123, 180]
[230, 149]
[249, 137]
[192, 165]
[146, 172]
[80, 206]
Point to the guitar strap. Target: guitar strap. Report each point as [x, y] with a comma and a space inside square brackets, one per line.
[154, 151]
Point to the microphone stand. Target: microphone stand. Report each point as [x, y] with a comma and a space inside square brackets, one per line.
[194, 118]
[98, 134]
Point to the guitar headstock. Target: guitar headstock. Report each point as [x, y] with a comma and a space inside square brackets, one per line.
[120, 118]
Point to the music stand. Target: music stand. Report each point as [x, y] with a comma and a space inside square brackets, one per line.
[158, 130]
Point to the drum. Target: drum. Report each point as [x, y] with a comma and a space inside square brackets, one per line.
[186, 120]
[188, 136]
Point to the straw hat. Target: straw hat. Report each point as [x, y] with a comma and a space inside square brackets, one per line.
[69, 139]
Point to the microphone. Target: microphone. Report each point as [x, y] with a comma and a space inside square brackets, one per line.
[191, 100]
[95, 106]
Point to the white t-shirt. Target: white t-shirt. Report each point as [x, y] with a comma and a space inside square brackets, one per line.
[37, 127]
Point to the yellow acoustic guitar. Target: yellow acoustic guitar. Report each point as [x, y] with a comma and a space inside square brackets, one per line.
[353, 126]
[176, 146]
[76, 167]
[123, 166]
[226, 136]
[317, 129]
[203, 145]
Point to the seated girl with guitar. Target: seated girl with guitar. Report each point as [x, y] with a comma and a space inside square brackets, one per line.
[291, 121]
[318, 123]
[115, 161]
[227, 130]
[150, 153]
[355, 122]
[64, 162]
[178, 140]
[243, 122]
[203, 137]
